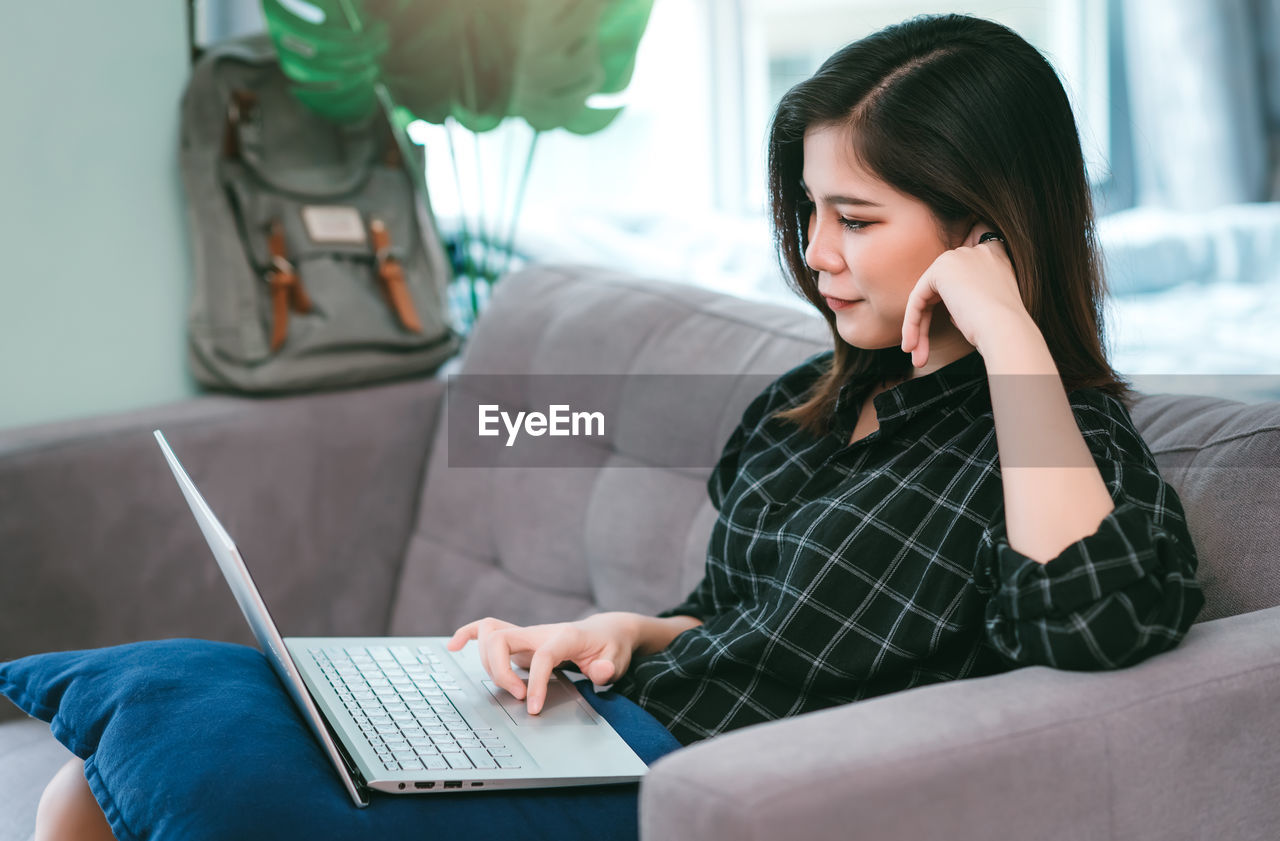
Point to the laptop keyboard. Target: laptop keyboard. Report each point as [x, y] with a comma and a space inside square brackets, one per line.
[399, 697]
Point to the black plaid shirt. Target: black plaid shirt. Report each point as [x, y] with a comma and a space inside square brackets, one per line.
[838, 572]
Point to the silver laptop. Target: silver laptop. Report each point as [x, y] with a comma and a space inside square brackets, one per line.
[407, 716]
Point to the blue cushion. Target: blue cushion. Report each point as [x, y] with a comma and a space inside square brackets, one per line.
[191, 739]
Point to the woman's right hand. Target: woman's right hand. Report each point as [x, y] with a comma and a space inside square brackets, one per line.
[600, 646]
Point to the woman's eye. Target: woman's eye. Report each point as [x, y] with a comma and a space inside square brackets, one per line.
[808, 208]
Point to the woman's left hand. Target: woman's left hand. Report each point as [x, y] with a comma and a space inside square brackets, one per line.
[978, 287]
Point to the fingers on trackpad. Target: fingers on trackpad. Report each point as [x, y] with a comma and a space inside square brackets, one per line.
[563, 705]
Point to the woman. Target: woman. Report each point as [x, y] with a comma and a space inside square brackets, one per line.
[956, 488]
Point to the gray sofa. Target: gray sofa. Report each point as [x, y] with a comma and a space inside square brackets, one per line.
[354, 522]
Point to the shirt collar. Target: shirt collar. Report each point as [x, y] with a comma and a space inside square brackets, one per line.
[944, 387]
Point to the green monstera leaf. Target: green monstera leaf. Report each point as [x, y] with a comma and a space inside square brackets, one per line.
[334, 66]
[477, 61]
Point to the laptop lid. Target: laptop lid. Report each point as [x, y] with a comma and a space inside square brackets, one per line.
[255, 611]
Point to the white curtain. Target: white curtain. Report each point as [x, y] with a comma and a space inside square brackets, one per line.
[1204, 93]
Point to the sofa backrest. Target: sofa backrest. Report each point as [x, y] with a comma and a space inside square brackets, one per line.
[628, 530]
[1223, 459]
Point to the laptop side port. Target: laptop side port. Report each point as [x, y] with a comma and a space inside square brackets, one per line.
[453, 783]
[476, 785]
[424, 785]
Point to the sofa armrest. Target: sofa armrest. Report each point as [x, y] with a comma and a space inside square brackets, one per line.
[319, 491]
[1183, 746]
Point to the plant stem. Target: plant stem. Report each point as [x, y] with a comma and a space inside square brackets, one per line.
[510, 246]
[481, 234]
[467, 265]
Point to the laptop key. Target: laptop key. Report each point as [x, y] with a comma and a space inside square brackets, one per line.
[481, 758]
[507, 762]
[457, 760]
[435, 763]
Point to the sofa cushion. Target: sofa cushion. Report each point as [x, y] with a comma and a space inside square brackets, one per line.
[1223, 459]
[172, 731]
[629, 529]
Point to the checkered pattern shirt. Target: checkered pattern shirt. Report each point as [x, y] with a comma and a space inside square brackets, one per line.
[837, 572]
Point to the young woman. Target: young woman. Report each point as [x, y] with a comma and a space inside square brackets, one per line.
[956, 488]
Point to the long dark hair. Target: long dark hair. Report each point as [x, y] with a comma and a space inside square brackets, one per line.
[966, 116]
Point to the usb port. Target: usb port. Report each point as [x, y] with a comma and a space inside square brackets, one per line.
[475, 785]
[453, 784]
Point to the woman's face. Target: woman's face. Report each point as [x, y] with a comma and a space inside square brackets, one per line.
[869, 243]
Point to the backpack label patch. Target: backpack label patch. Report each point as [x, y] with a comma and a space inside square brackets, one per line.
[333, 223]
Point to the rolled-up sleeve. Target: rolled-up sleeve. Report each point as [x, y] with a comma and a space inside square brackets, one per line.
[1111, 599]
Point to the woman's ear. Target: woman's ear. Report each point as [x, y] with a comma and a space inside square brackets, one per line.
[976, 232]
[962, 234]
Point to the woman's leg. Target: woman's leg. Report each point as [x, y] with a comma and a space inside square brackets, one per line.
[68, 809]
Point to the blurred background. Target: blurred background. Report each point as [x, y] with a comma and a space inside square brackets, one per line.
[1177, 102]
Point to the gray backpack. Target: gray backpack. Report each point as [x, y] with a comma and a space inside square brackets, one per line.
[317, 265]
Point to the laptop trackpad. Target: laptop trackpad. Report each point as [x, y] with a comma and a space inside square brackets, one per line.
[562, 706]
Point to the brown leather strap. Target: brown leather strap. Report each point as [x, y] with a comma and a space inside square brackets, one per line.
[238, 108]
[391, 276]
[287, 291]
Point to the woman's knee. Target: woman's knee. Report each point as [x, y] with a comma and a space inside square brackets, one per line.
[68, 809]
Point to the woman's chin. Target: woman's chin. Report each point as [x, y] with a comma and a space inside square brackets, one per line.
[862, 341]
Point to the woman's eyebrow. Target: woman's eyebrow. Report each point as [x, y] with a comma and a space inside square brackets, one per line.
[842, 199]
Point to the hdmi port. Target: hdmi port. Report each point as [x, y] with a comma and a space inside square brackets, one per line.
[424, 785]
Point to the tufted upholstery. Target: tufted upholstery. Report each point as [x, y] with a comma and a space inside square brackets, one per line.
[542, 544]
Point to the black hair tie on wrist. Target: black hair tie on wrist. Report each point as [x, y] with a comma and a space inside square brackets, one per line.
[990, 235]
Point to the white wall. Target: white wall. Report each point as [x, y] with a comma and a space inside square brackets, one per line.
[93, 242]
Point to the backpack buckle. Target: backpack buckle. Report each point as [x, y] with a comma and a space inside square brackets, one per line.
[395, 291]
[287, 291]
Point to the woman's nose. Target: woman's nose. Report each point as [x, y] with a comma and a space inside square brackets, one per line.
[821, 254]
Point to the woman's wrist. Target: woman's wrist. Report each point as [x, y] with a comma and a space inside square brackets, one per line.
[652, 634]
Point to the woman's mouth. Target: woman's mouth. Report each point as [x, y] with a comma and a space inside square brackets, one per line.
[839, 303]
